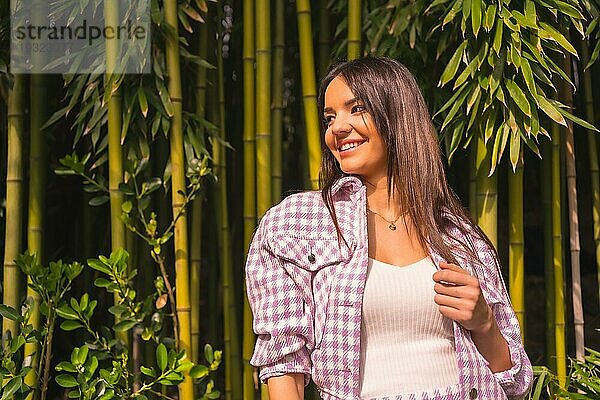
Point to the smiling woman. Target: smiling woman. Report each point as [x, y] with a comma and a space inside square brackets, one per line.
[379, 285]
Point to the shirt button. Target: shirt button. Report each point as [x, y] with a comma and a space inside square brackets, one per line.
[311, 258]
[473, 393]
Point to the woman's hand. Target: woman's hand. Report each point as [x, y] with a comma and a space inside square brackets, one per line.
[459, 298]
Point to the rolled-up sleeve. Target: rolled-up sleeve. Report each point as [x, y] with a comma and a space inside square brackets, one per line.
[517, 380]
[281, 311]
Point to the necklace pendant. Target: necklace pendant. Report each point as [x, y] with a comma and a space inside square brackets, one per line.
[392, 226]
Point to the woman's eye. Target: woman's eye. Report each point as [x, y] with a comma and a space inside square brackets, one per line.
[327, 119]
[358, 108]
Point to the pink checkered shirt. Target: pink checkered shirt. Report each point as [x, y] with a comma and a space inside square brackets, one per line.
[306, 295]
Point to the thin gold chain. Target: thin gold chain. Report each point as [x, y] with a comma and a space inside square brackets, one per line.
[392, 224]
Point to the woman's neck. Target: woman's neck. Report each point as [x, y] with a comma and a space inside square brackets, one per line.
[377, 198]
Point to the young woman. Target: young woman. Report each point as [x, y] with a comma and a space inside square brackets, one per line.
[379, 286]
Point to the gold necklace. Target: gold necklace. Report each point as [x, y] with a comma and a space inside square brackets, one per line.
[392, 224]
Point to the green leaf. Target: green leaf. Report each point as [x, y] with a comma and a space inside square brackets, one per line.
[456, 106]
[99, 266]
[476, 15]
[124, 325]
[161, 356]
[518, 96]
[577, 120]
[549, 32]
[490, 16]
[98, 200]
[67, 312]
[452, 66]
[70, 325]
[11, 387]
[65, 366]
[498, 36]
[515, 149]
[209, 354]
[143, 101]
[82, 355]
[101, 282]
[528, 76]
[67, 381]
[9, 313]
[466, 73]
[550, 110]
[148, 371]
[199, 371]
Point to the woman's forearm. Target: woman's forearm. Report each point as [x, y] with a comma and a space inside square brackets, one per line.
[286, 387]
[492, 346]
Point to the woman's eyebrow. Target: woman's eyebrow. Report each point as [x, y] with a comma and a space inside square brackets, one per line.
[346, 104]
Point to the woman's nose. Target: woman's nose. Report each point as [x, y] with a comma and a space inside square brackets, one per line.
[340, 125]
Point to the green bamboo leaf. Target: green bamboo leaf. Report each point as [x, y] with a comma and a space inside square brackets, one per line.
[466, 73]
[11, 387]
[9, 312]
[456, 106]
[515, 149]
[161, 356]
[528, 76]
[594, 55]
[577, 120]
[453, 64]
[143, 101]
[452, 100]
[489, 125]
[498, 36]
[67, 381]
[166, 100]
[518, 96]
[457, 134]
[497, 148]
[466, 9]
[568, 9]
[476, 15]
[490, 16]
[452, 13]
[549, 32]
[550, 110]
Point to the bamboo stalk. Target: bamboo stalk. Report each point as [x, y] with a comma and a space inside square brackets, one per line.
[196, 214]
[178, 190]
[354, 28]
[277, 99]
[592, 153]
[516, 266]
[115, 156]
[575, 248]
[324, 39]
[487, 194]
[233, 374]
[546, 192]
[262, 16]
[249, 382]
[309, 91]
[559, 292]
[14, 198]
[37, 179]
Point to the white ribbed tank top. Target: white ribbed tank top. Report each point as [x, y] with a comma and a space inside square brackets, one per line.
[407, 346]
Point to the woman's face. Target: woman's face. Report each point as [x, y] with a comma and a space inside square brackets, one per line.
[351, 135]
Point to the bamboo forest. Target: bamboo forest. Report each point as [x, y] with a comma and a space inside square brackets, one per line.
[129, 200]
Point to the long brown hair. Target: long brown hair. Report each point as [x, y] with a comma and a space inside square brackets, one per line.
[415, 170]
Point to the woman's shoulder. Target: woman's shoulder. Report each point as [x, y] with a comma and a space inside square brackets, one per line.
[295, 211]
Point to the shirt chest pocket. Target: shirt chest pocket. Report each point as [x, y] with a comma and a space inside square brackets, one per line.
[310, 254]
[317, 260]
